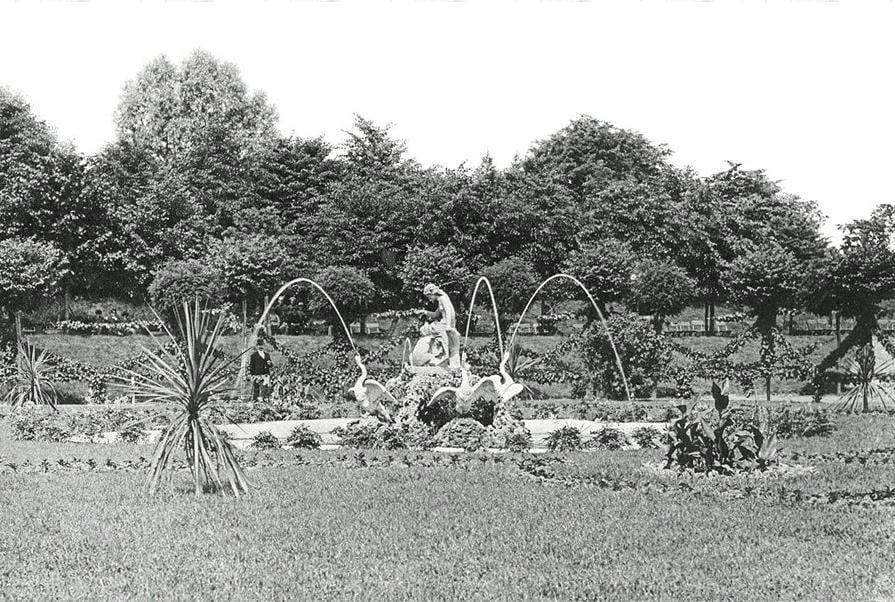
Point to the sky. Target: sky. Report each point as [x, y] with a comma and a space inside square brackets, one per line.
[804, 90]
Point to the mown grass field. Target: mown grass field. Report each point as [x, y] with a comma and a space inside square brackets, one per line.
[416, 525]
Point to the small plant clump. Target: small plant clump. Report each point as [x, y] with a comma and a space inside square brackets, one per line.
[646, 437]
[700, 443]
[465, 433]
[802, 422]
[371, 434]
[608, 438]
[302, 437]
[567, 438]
[265, 440]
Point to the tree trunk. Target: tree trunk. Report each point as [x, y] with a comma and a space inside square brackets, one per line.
[705, 319]
[67, 307]
[766, 324]
[712, 326]
[838, 326]
[363, 325]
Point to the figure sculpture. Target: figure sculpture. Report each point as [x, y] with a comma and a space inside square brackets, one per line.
[439, 343]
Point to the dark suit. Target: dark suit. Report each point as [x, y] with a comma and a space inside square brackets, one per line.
[259, 368]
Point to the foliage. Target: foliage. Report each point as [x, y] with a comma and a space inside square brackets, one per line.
[608, 438]
[800, 422]
[370, 434]
[604, 266]
[513, 280]
[645, 356]
[186, 280]
[111, 328]
[442, 265]
[251, 266]
[302, 437]
[700, 444]
[191, 376]
[29, 270]
[567, 438]
[351, 290]
[32, 383]
[646, 437]
[38, 424]
[661, 289]
[465, 433]
[265, 440]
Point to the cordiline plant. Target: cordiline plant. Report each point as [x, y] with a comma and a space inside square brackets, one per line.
[191, 374]
[31, 382]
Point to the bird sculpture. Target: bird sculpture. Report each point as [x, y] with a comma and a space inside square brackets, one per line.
[504, 384]
[466, 393]
[371, 393]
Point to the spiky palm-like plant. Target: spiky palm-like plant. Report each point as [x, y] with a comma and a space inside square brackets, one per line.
[870, 390]
[31, 382]
[191, 374]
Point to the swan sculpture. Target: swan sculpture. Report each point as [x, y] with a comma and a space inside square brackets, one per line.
[467, 393]
[370, 393]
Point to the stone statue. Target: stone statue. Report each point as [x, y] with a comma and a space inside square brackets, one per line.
[439, 343]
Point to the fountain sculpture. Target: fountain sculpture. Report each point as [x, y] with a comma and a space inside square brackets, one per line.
[435, 385]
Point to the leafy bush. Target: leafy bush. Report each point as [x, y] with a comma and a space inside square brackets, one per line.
[131, 433]
[183, 280]
[608, 438]
[703, 445]
[466, 433]
[369, 434]
[302, 437]
[36, 424]
[567, 438]
[646, 437]
[645, 356]
[518, 441]
[265, 440]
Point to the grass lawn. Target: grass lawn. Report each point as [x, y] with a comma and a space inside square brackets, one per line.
[399, 525]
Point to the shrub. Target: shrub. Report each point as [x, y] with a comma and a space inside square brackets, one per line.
[701, 444]
[567, 438]
[608, 438]
[645, 356]
[518, 441]
[302, 437]
[646, 437]
[183, 280]
[466, 433]
[369, 434]
[265, 440]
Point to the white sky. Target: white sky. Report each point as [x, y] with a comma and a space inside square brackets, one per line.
[802, 89]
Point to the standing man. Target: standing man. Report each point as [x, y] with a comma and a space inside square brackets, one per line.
[259, 370]
[444, 324]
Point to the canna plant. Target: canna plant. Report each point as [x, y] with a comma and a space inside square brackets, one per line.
[701, 443]
[191, 374]
[31, 383]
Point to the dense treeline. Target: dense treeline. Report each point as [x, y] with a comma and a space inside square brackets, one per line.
[199, 193]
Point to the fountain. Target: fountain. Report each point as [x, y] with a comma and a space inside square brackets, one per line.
[435, 386]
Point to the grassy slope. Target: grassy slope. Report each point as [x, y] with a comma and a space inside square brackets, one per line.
[480, 530]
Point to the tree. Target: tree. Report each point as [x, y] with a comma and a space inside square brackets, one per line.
[514, 280]
[350, 289]
[605, 267]
[661, 289]
[441, 265]
[30, 270]
[588, 154]
[185, 281]
[765, 278]
[854, 280]
[252, 266]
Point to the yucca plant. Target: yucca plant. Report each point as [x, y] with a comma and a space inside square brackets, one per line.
[191, 374]
[31, 382]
